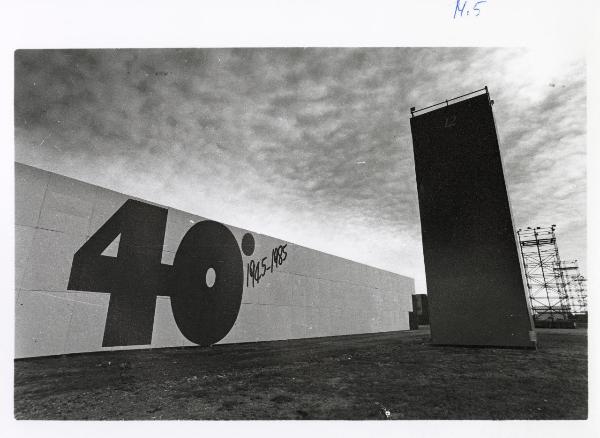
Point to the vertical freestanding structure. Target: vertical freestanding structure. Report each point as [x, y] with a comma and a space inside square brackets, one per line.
[546, 282]
[574, 284]
[475, 283]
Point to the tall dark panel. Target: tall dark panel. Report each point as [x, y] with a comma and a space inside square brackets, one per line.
[474, 280]
[422, 308]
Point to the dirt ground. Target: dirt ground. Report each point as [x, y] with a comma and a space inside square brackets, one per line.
[396, 375]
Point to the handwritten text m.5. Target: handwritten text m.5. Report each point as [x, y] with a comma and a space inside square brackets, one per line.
[463, 9]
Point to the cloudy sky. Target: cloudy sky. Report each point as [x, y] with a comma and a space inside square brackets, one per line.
[312, 146]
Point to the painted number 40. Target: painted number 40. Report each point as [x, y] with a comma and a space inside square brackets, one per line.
[136, 276]
[462, 9]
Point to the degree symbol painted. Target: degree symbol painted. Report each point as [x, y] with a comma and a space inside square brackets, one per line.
[248, 244]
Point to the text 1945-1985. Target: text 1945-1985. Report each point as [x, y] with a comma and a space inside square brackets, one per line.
[256, 270]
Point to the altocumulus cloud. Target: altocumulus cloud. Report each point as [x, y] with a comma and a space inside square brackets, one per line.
[309, 145]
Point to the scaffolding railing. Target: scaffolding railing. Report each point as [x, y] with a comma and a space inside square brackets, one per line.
[548, 294]
[574, 285]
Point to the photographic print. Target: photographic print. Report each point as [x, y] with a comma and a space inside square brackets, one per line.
[300, 233]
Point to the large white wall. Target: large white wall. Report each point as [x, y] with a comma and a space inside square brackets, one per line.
[311, 294]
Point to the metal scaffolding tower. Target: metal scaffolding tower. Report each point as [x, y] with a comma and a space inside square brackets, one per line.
[548, 295]
[575, 286]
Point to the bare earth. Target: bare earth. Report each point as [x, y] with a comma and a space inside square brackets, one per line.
[348, 377]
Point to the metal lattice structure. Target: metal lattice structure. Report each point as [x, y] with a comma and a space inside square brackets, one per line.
[548, 295]
[575, 286]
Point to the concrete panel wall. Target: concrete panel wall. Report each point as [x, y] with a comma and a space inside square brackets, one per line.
[475, 284]
[94, 271]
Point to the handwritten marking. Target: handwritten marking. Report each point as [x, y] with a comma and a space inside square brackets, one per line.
[458, 8]
[461, 9]
[475, 8]
[44, 139]
[253, 269]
